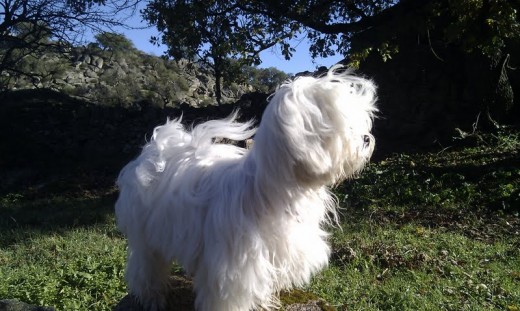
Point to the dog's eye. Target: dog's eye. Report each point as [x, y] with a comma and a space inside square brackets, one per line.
[366, 141]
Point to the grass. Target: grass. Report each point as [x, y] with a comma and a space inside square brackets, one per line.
[59, 247]
[430, 231]
[434, 231]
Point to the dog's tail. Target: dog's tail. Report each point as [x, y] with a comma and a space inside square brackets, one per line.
[206, 133]
[202, 134]
[172, 139]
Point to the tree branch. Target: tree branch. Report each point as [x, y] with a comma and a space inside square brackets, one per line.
[365, 22]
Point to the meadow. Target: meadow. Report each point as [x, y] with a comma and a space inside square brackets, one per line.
[437, 230]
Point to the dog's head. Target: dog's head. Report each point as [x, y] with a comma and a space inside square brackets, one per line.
[322, 126]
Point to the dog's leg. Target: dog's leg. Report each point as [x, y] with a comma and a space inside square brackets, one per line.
[208, 296]
[147, 275]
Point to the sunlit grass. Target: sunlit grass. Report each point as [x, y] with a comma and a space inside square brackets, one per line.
[432, 231]
[61, 250]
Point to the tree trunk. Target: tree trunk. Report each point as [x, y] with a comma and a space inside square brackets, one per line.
[218, 87]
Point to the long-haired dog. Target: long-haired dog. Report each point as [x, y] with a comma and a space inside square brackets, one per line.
[244, 224]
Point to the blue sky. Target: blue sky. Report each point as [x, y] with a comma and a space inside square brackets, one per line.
[301, 60]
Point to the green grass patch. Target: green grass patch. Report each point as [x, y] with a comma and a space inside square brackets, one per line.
[431, 231]
[410, 267]
[61, 248]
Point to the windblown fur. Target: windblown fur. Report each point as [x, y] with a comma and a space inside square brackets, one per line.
[244, 224]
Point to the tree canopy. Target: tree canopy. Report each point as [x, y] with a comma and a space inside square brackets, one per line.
[32, 27]
[114, 41]
[218, 33]
[246, 27]
[486, 32]
[333, 25]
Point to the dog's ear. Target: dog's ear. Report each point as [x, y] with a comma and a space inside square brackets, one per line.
[316, 173]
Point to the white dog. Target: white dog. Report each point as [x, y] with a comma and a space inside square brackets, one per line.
[244, 224]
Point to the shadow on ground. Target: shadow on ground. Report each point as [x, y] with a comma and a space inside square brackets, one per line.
[182, 298]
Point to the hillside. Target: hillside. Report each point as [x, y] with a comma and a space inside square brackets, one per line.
[92, 107]
[122, 78]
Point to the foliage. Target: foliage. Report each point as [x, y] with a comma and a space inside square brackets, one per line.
[114, 42]
[217, 33]
[264, 80]
[33, 28]
[41, 70]
[483, 177]
[483, 33]
[167, 84]
[117, 90]
[483, 25]
[331, 26]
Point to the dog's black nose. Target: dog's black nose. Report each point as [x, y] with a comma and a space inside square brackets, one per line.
[366, 141]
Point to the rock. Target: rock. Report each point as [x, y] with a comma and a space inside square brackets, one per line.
[59, 81]
[310, 306]
[85, 59]
[93, 80]
[74, 77]
[122, 62]
[90, 74]
[164, 83]
[98, 62]
[15, 305]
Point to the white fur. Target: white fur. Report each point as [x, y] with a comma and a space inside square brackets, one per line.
[244, 224]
